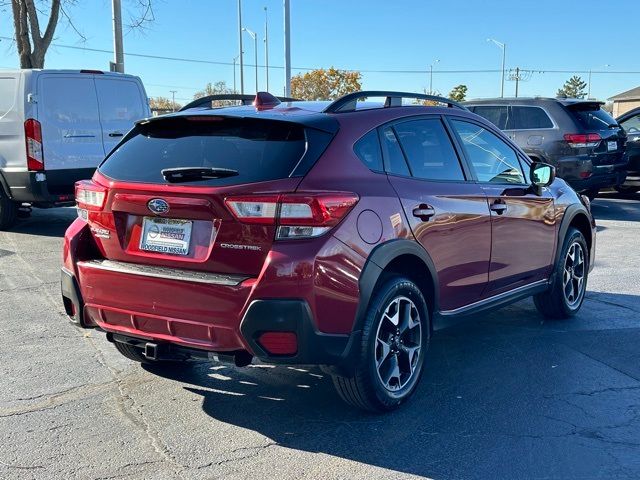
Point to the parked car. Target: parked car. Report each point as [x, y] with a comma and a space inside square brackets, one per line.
[630, 122]
[56, 126]
[315, 233]
[578, 137]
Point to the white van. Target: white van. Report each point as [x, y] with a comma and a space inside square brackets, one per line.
[56, 126]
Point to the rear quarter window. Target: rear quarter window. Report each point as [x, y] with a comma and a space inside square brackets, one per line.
[7, 94]
[368, 151]
[260, 150]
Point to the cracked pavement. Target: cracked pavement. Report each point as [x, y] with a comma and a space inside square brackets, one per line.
[506, 395]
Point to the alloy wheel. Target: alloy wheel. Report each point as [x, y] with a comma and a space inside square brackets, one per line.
[573, 275]
[398, 343]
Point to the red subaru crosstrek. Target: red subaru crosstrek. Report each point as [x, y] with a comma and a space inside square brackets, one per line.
[333, 234]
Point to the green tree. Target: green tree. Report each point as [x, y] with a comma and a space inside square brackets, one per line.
[458, 93]
[324, 84]
[573, 88]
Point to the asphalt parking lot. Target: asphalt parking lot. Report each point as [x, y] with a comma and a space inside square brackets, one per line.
[505, 396]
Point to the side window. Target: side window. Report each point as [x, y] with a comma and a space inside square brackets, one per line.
[429, 151]
[120, 100]
[492, 160]
[368, 151]
[530, 118]
[8, 96]
[631, 124]
[395, 162]
[496, 114]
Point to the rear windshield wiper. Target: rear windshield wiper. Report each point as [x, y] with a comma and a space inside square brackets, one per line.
[193, 174]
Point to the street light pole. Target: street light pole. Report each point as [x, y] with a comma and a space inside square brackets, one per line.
[240, 45]
[235, 60]
[118, 49]
[266, 46]
[254, 36]
[173, 100]
[503, 46]
[431, 77]
[606, 65]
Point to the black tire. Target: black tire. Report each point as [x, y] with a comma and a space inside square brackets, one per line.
[8, 211]
[627, 189]
[137, 355]
[555, 303]
[366, 388]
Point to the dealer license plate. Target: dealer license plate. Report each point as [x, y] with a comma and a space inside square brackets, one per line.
[166, 235]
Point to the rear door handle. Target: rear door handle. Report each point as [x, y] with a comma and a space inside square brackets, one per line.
[499, 207]
[116, 134]
[424, 212]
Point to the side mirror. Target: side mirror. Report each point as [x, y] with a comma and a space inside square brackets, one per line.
[542, 175]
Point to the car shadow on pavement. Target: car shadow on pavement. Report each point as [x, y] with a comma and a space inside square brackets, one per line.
[505, 395]
[616, 206]
[52, 222]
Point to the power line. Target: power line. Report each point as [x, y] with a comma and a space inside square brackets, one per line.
[416, 72]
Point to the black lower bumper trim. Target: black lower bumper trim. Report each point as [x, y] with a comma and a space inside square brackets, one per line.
[72, 298]
[314, 348]
[45, 189]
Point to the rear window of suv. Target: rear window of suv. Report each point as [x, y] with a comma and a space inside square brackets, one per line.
[260, 150]
[591, 117]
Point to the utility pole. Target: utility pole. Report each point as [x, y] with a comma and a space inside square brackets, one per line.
[287, 49]
[517, 79]
[118, 51]
[173, 100]
[266, 46]
[240, 44]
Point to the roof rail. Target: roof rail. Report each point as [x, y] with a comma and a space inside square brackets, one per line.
[244, 99]
[348, 103]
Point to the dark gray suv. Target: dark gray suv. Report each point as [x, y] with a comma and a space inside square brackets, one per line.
[583, 142]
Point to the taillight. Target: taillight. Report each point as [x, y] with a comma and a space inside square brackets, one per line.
[33, 138]
[582, 140]
[90, 195]
[296, 215]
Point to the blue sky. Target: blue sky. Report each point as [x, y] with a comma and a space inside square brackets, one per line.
[364, 35]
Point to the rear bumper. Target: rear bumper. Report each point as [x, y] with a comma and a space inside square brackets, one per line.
[582, 174]
[44, 189]
[219, 313]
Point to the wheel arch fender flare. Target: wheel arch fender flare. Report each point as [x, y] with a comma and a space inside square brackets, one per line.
[379, 259]
[571, 213]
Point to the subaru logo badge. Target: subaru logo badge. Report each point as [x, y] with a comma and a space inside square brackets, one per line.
[158, 206]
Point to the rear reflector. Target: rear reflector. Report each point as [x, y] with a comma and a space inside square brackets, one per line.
[90, 195]
[581, 140]
[297, 215]
[279, 343]
[33, 138]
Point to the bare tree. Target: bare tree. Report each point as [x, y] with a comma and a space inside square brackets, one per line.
[32, 44]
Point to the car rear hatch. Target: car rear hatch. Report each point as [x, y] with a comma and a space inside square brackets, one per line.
[172, 186]
[182, 214]
[599, 136]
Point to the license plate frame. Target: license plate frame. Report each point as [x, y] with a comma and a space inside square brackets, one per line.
[612, 146]
[169, 236]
